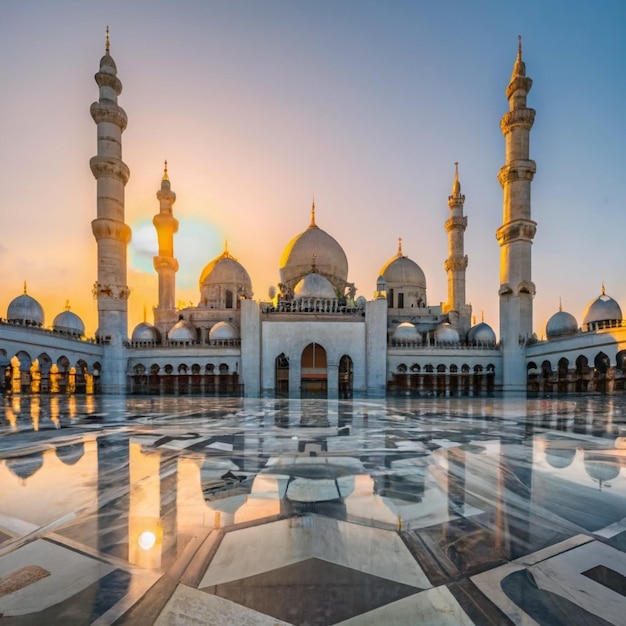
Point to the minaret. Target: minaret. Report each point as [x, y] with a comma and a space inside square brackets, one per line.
[109, 229]
[456, 263]
[516, 234]
[165, 314]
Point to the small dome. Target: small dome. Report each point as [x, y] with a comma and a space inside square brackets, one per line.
[69, 323]
[402, 271]
[182, 331]
[314, 285]
[25, 310]
[446, 334]
[481, 333]
[224, 274]
[602, 309]
[145, 332]
[561, 324]
[406, 332]
[222, 331]
[314, 246]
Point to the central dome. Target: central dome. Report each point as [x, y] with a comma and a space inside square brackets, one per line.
[314, 248]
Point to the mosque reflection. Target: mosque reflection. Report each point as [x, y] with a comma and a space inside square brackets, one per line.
[471, 484]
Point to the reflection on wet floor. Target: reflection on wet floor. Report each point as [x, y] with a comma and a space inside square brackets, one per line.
[265, 511]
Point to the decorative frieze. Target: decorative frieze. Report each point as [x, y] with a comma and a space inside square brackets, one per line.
[514, 231]
[109, 166]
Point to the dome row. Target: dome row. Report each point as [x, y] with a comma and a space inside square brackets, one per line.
[600, 312]
[27, 311]
[182, 331]
[480, 334]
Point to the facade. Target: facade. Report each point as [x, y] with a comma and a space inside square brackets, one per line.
[315, 336]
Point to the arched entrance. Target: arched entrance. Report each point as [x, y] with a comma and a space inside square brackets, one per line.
[345, 377]
[314, 373]
[281, 371]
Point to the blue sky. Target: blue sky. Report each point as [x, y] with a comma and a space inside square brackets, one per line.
[258, 106]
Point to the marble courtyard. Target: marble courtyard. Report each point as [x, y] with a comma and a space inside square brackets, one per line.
[118, 510]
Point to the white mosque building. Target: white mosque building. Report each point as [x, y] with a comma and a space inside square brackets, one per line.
[315, 337]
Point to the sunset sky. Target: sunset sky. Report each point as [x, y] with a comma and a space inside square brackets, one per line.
[365, 105]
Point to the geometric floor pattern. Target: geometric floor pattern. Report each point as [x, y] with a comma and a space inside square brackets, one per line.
[361, 512]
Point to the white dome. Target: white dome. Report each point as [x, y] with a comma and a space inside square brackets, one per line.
[561, 324]
[446, 334]
[481, 333]
[400, 271]
[221, 274]
[406, 332]
[145, 332]
[314, 247]
[222, 331]
[314, 285]
[602, 309]
[69, 323]
[25, 310]
[182, 331]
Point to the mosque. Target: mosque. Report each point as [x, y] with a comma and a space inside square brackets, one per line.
[315, 337]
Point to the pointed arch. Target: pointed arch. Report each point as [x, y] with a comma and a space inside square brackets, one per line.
[314, 370]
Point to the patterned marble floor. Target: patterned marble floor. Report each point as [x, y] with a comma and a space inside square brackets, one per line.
[309, 512]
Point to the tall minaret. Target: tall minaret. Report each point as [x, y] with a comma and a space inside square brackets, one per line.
[456, 263]
[109, 229]
[516, 234]
[165, 314]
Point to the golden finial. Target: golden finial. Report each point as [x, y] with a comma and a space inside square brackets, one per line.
[313, 265]
[400, 246]
[24, 287]
[67, 305]
[107, 43]
[473, 320]
[165, 176]
[456, 185]
[313, 213]
[603, 291]
[560, 305]
[225, 247]
[482, 316]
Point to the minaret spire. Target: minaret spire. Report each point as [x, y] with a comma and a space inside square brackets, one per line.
[516, 234]
[456, 263]
[166, 266]
[109, 229]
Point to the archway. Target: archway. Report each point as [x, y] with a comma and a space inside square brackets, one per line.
[582, 373]
[563, 372]
[281, 375]
[345, 376]
[313, 372]
[602, 364]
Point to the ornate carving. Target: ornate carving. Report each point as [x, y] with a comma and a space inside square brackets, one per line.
[165, 263]
[516, 230]
[518, 82]
[455, 265]
[109, 112]
[456, 223]
[104, 228]
[114, 292]
[518, 118]
[105, 79]
[519, 171]
[111, 167]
